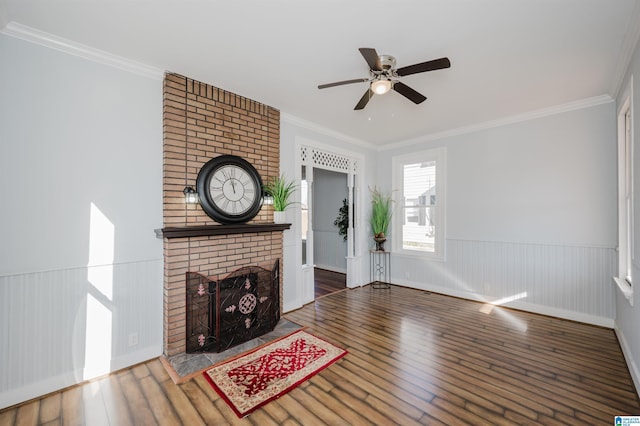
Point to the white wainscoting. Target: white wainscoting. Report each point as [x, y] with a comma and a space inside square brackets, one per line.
[330, 251]
[65, 326]
[569, 282]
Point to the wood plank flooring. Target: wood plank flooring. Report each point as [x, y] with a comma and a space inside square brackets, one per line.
[327, 282]
[415, 358]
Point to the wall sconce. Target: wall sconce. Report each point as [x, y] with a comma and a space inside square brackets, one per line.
[267, 199]
[190, 195]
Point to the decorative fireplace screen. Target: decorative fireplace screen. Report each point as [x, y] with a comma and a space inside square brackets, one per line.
[224, 313]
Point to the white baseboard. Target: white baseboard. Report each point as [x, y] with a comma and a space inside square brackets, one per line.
[290, 307]
[332, 268]
[523, 306]
[136, 357]
[71, 378]
[34, 390]
[628, 356]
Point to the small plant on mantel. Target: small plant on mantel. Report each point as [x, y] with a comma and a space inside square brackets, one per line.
[281, 190]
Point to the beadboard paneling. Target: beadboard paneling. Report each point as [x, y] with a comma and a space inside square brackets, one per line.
[329, 251]
[573, 282]
[44, 320]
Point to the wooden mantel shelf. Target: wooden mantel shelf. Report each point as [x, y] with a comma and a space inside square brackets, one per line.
[208, 230]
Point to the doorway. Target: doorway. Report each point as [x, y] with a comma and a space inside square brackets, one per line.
[330, 195]
[320, 244]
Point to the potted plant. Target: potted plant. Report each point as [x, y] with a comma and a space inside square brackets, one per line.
[342, 222]
[281, 191]
[380, 217]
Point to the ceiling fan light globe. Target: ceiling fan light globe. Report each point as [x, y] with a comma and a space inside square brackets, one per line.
[380, 87]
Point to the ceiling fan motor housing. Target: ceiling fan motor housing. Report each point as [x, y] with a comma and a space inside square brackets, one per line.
[387, 68]
[387, 62]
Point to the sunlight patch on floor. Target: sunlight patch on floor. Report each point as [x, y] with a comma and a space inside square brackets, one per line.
[494, 307]
[488, 307]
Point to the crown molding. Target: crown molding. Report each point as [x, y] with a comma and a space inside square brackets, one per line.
[292, 119]
[545, 112]
[23, 32]
[632, 36]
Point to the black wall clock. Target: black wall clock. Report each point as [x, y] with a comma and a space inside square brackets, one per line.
[230, 189]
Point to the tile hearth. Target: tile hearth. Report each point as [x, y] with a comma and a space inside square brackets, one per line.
[185, 365]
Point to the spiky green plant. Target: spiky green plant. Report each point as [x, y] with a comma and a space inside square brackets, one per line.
[381, 211]
[281, 190]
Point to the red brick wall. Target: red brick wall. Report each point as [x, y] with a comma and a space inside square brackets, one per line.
[201, 122]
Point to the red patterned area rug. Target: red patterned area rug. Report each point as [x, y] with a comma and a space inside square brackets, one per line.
[255, 378]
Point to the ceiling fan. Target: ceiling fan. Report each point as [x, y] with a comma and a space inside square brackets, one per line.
[383, 76]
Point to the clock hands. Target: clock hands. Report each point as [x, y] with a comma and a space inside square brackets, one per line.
[232, 178]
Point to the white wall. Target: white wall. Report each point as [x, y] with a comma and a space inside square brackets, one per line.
[531, 209]
[4, 14]
[81, 184]
[627, 316]
[545, 181]
[329, 249]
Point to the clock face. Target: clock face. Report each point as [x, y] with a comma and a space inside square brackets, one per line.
[230, 189]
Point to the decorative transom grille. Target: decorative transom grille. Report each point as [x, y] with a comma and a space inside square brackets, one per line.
[327, 160]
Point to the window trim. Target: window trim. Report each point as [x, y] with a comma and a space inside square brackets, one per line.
[439, 155]
[625, 194]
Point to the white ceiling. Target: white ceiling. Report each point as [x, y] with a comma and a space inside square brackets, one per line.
[509, 57]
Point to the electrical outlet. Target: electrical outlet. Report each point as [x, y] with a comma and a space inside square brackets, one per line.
[133, 339]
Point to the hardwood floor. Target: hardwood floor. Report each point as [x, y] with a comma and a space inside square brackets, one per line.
[327, 282]
[414, 358]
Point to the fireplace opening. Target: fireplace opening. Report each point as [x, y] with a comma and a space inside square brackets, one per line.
[223, 313]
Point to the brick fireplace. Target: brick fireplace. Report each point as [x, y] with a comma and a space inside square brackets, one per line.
[200, 122]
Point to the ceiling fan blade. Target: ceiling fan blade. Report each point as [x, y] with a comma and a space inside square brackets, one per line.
[371, 56]
[408, 92]
[436, 64]
[340, 83]
[365, 99]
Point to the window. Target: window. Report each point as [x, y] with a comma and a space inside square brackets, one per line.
[419, 193]
[625, 197]
[627, 202]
